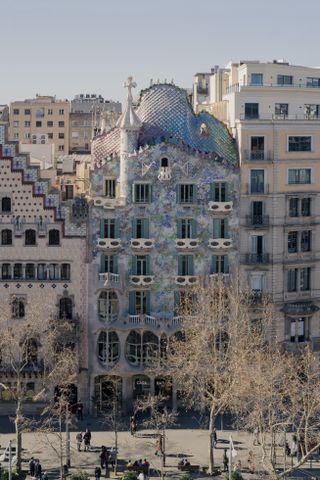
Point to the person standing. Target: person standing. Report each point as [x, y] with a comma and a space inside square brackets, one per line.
[97, 473]
[80, 411]
[133, 425]
[225, 461]
[214, 437]
[31, 467]
[79, 439]
[87, 439]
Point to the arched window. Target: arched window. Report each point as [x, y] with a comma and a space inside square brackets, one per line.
[65, 308]
[150, 348]
[54, 237]
[6, 204]
[108, 306]
[133, 348]
[31, 351]
[30, 237]
[6, 237]
[108, 348]
[6, 271]
[17, 307]
[164, 162]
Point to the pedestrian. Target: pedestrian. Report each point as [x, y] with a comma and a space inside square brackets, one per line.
[80, 411]
[103, 455]
[256, 436]
[133, 426]
[141, 476]
[45, 476]
[87, 439]
[251, 462]
[225, 461]
[97, 473]
[31, 467]
[38, 469]
[214, 437]
[79, 439]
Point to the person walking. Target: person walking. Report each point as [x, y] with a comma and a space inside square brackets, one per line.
[79, 439]
[214, 437]
[225, 461]
[80, 411]
[87, 439]
[133, 426]
[31, 467]
[103, 456]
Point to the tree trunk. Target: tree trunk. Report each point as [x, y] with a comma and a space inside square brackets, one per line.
[116, 450]
[163, 448]
[17, 423]
[212, 421]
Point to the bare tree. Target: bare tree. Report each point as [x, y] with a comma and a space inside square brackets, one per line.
[29, 343]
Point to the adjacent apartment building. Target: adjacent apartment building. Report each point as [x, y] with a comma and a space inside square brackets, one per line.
[273, 111]
[164, 188]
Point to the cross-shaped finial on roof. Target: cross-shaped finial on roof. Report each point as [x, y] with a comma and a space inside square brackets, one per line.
[130, 84]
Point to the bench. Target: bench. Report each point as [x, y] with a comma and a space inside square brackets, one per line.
[189, 468]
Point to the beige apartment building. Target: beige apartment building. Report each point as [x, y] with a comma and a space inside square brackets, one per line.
[41, 120]
[273, 111]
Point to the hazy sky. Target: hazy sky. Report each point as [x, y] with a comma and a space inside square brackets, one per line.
[65, 47]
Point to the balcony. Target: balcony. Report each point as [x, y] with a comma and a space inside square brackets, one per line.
[257, 297]
[258, 189]
[257, 258]
[257, 155]
[105, 202]
[141, 280]
[187, 243]
[108, 243]
[164, 174]
[108, 318]
[186, 280]
[143, 319]
[220, 243]
[220, 207]
[222, 278]
[142, 243]
[257, 220]
[110, 279]
[176, 322]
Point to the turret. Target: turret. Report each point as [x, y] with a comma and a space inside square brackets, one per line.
[129, 124]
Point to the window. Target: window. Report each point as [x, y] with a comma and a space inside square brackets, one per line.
[65, 271]
[50, 111]
[27, 124]
[42, 271]
[299, 207]
[139, 302]
[299, 176]
[27, 136]
[284, 79]
[16, 136]
[257, 181]
[109, 264]
[110, 188]
[294, 207]
[30, 271]
[142, 193]
[109, 228]
[164, 162]
[16, 123]
[305, 241]
[185, 265]
[292, 277]
[68, 194]
[18, 307]
[30, 237]
[16, 111]
[61, 111]
[185, 302]
[6, 237]
[54, 237]
[186, 193]
[27, 111]
[17, 271]
[61, 124]
[298, 329]
[65, 308]
[257, 217]
[133, 348]
[312, 111]
[281, 110]
[186, 228]
[30, 351]
[50, 136]
[220, 264]
[54, 271]
[140, 228]
[61, 135]
[305, 207]
[304, 277]
[140, 265]
[49, 123]
[313, 82]
[299, 144]
[292, 242]
[40, 113]
[108, 348]
[257, 148]
[305, 274]
[6, 204]
[220, 228]
[251, 110]
[61, 148]
[150, 348]
[38, 123]
[108, 306]
[6, 271]
[256, 79]
[219, 192]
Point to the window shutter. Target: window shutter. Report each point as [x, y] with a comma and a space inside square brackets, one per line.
[195, 194]
[216, 227]
[133, 193]
[211, 192]
[176, 300]
[178, 196]
[145, 227]
[117, 228]
[133, 265]
[148, 302]
[226, 228]
[150, 193]
[102, 263]
[148, 266]
[115, 264]
[214, 264]
[225, 264]
[180, 264]
[194, 228]
[227, 192]
[190, 265]
[132, 303]
[179, 228]
[134, 228]
[102, 222]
